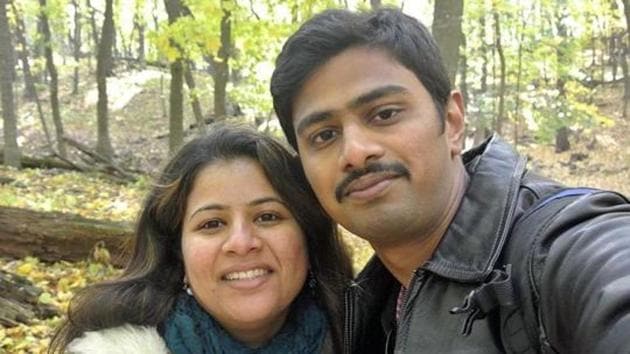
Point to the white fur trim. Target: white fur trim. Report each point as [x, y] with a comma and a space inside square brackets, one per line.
[127, 339]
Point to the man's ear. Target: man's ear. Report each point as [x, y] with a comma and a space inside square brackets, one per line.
[454, 122]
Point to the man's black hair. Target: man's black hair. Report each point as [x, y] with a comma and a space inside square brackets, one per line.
[329, 33]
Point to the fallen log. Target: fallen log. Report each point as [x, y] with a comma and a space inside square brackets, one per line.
[43, 162]
[53, 236]
[110, 168]
[19, 301]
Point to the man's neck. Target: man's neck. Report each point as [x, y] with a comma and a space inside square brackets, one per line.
[404, 258]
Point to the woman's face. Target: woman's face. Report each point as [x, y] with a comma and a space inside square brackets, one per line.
[244, 254]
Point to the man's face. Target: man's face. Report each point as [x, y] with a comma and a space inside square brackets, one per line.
[373, 148]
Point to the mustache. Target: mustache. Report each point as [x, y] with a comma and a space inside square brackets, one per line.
[394, 167]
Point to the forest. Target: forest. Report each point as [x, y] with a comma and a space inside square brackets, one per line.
[97, 94]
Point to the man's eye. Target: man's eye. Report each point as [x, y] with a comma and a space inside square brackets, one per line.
[324, 136]
[387, 114]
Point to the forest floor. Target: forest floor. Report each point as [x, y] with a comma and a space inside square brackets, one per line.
[599, 157]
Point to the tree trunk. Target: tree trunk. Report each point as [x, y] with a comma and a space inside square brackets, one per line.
[501, 92]
[53, 84]
[562, 140]
[519, 73]
[612, 55]
[30, 92]
[562, 60]
[11, 148]
[92, 11]
[176, 109]
[375, 4]
[76, 45]
[624, 61]
[221, 65]
[125, 48]
[58, 236]
[626, 81]
[154, 14]
[463, 70]
[480, 123]
[140, 26]
[484, 53]
[447, 30]
[103, 143]
[194, 97]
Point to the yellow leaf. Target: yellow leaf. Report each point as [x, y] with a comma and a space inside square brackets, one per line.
[63, 285]
[25, 269]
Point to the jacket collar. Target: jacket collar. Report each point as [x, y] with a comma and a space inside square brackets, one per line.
[478, 231]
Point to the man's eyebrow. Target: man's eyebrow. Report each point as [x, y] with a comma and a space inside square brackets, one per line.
[375, 94]
[367, 97]
[311, 119]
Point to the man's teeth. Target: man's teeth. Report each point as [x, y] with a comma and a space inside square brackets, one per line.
[249, 274]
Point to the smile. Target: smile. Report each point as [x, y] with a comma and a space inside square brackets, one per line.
[247, 275]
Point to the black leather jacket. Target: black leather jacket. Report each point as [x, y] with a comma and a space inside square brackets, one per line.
[585, 283]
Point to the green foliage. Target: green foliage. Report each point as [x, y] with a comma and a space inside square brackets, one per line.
[553, 39]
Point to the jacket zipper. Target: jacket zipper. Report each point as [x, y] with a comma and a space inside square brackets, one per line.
[416, 281]
[349, 320]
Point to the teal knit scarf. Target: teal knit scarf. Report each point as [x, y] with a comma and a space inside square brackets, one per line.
[189, 329]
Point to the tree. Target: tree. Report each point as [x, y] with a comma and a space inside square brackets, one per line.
[447, 30]
[103, 143]
[477, 61]
[53, 84]
[92, 12]
[139, 25]
[194, 97]
[220, 64]
[502, 77]
[176, 100]
[624, 61]
[76, 45]
[11, 148]
[562, 61]
[30, 92]
[519, 75]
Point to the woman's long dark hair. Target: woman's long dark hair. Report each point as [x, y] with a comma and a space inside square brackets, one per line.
[146, 291]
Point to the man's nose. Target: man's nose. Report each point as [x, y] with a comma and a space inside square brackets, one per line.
[359, 148]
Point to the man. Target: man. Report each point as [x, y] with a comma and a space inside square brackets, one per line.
[366, 102]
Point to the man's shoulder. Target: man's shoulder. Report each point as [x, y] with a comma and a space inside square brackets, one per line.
[122, 339]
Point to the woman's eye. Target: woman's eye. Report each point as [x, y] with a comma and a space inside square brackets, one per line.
[211, 224]
[267, 217]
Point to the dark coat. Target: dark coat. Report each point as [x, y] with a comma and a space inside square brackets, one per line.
[584, 279]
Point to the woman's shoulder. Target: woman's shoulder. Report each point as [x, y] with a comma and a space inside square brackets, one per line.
[122, 339]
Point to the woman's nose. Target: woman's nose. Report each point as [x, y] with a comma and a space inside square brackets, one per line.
[242, 240]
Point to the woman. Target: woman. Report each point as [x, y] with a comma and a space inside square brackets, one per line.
[232, 254]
